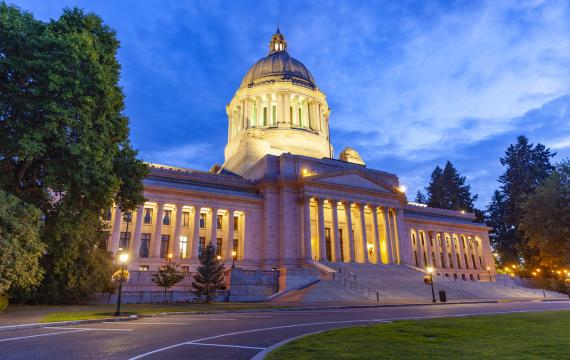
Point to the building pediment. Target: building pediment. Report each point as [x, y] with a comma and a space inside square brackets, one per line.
[352, 179]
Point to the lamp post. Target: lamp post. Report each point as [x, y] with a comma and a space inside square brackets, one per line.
[234, 253]
[169, 259]
[430, 272]
[123, 259]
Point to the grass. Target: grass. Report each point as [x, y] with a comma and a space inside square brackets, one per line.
[105, 311]
[507, 337]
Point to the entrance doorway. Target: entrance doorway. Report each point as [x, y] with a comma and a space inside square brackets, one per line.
[328, 243]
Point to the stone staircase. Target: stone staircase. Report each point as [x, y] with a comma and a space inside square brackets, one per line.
[396, 283]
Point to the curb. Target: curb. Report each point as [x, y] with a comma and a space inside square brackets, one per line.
[65, 323]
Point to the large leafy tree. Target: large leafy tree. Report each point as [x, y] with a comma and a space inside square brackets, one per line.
[448, 190]
[527, 166]
[20, 245]
[209, 275]
[64, 140]
[545, 222]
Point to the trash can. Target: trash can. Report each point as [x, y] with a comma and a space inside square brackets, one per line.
[442, 296]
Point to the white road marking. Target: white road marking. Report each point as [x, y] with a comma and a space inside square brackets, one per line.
[230, 346]
[333, 323]
[152, 323]
[38, 335]
[90, 329]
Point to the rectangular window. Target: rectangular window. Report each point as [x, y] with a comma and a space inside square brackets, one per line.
[474, 262]
[450, 260]
[218, 246]
[166, 218]
[466, 261]
[458, 261]
[235, 246]
[202, 220]
[201, 244]
[145, 245]
[183, 247]
[291, 114]
[147, 216]
[164, 240]
[219, 220]
[185, 219]
[125, 240]
[264, 116]
[236, 222]
[300, 116]
[274, 116]
[143, 267]
[105, 241]
[128, 217]
[108, 215]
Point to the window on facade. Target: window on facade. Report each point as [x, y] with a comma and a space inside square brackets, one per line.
[450, 260]
[341, 241]
[235, 246]
[458, 261]
[455, 276]
[145, 245]
[166, 218]
[185, 218]
[466, 261]
[125, 240]
[441, 259]
[291, 113]
[143, 267]
[128, 217]
[301, 117]
[147, 216]
[108, 214]
[218, 246]
[474, 262]
[265, 116]
[164, 240]
[201, 244]
[236, 222]
[219, 220]
[104, 245]
[463, 277]
[481, 262]
[202, 220]
[183, 247]
[274, 115]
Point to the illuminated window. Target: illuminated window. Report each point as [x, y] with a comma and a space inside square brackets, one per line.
[143, 267]
[125, 240]
[164, 240]
[147, 216]
[183, 247]
[265, 116]
[145, 245]
[185, 218]
[274, 115]
[202, 221]
[166, 218]
[236, 223]
[218, 246]
[219, 220]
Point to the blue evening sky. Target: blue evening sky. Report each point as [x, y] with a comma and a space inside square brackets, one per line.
[410, 84]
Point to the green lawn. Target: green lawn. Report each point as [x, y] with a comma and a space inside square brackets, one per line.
[105, 311]
[544, 335]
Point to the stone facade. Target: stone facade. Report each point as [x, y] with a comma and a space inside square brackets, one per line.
[280, 200]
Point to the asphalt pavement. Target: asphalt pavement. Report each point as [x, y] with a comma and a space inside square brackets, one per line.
[219, 336]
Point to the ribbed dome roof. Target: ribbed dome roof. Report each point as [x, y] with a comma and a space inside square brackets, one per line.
[279, 63]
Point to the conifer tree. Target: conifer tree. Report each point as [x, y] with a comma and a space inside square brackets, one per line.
[447, 190]
[209, 276]
[167, 276]
[421, 198]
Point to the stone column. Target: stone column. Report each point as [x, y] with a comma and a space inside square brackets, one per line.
[454, 251]
[135, 248]
[175, 247]
[158, 229]
[230, 235]
[445, 259]
[388, 233]
[376, 235]
[348, 215]
[396, 253]
[335, 233]
[421, 249]
[195, 233]
[364, 245]
[213, 227]
[307, 228]
[321, 230]
[116, 236]
[429, 249]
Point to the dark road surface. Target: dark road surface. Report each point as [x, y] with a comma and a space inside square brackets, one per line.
[218, 336]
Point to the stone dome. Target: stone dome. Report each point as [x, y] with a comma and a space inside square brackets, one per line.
[278, 65]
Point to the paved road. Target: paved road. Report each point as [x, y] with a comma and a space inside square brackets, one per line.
[219, 336]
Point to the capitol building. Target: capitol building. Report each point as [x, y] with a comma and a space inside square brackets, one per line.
[282, 200]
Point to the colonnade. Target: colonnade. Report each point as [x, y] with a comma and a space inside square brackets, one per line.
[448, 250]
[277, 109]
[178, 231]
[369, 233]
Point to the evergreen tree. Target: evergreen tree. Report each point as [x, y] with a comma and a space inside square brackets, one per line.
[421, 198]
[64, 141]
[527, 167]
[447, 190]
[167, 276]
[209, 276]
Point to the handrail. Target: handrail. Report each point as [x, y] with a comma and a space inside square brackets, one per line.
[350, 280]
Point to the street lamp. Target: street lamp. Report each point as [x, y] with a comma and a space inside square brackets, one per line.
[123, 259]
[169, 259]
[234, 253]
[430, 272]
[219, 257]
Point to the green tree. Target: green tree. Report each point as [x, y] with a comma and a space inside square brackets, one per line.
[447, 190]
[527, 166]
[65, 146]
[20, 245]
[421, 198]
[545, 221]
[209, 276]
[167, 276]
